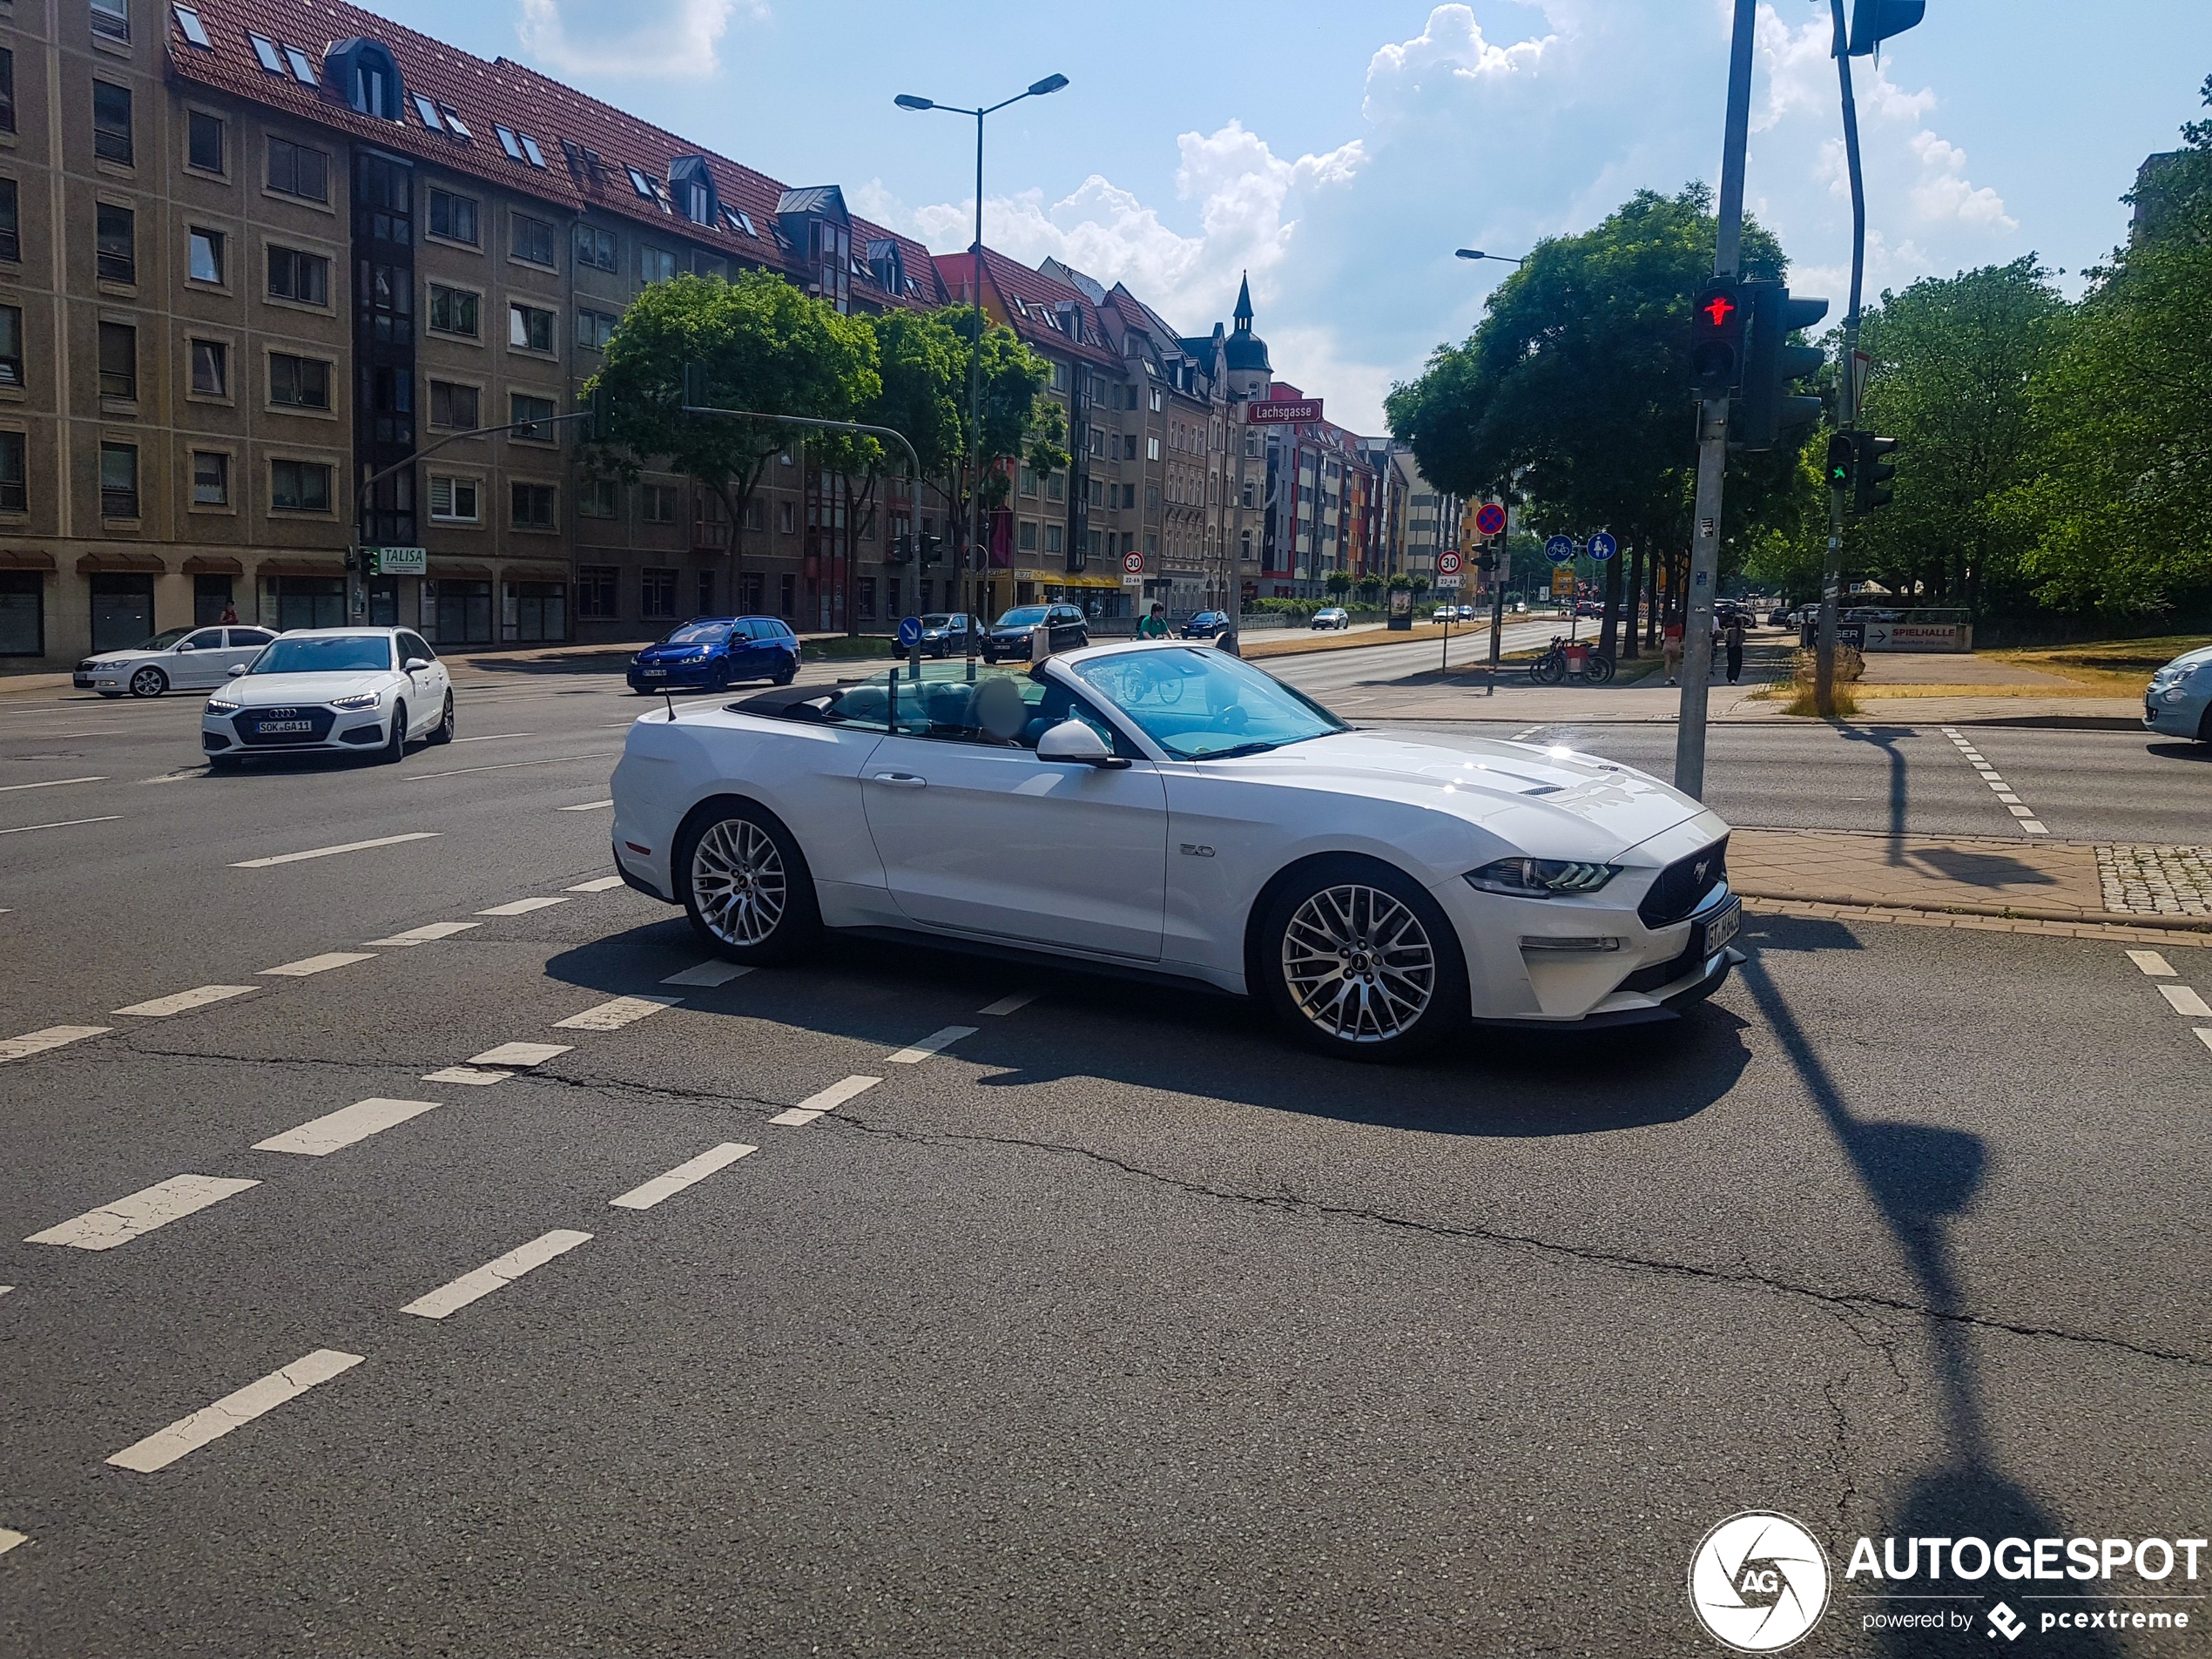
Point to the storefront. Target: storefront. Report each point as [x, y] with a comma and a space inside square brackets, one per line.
[300, 593]
[23, 576]
[1101, 597]
[120, 595]
[214, 588]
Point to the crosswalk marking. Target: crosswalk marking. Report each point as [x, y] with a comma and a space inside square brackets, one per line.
[52, 1037]
[141, 1213]
[598, 884]
[519, 1054]
[612, 1015]
[9, 1538]
[321, 964]
[2152, 962]
[472, 1286]
[1013, 1004]
[713, 971]
[827, 1100]
[929, 1045]
[426, 932]
[345, 1126]
[183, 1001]
[523, 907]
[466, 1074]
[332, 852]
[688, 1172]
[2186, 1001]
[159, 1450]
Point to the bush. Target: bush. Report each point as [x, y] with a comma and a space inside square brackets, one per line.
[1849, 665]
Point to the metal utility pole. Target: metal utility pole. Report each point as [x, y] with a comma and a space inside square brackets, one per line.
[1712, 429]
[1831, 575]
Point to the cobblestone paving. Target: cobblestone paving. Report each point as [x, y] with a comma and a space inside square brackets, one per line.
[2155, 881]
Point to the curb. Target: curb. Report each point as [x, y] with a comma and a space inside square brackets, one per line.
[2003, 911]
[2177, 930]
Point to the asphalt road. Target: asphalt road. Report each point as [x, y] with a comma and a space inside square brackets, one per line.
[1110, 1326]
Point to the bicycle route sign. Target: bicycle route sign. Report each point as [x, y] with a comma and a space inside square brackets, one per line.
[1560, 548]
[1603, 546]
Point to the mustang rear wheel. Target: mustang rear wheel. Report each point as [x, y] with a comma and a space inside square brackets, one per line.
[1360, 961]
[745, 885]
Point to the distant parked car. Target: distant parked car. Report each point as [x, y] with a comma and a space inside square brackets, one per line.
[1445, 613]
[2179, 701]
[1207, 624]
[1332, 616]
[1589, 608]
[1467, 613]
[1779, 618]
[178, 658]
[945, 635]
[709, 653]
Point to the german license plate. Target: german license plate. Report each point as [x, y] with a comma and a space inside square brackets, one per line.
[1721, 929]
[269, 727]
[653, 673]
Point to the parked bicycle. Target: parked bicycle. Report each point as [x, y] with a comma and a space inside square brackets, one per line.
[1568, 660]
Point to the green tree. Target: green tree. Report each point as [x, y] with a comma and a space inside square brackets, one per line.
[1338, 583]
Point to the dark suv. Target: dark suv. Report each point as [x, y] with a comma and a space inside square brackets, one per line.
[1009, 635]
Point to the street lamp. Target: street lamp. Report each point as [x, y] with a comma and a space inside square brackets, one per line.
[1477, 253]
[909, 101]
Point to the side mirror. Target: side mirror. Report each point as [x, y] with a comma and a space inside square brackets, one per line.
[1073, 740]
[416, 664]
[237, 669]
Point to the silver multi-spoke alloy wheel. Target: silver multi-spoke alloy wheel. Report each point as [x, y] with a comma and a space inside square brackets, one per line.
[1359, 963]
[738, 881]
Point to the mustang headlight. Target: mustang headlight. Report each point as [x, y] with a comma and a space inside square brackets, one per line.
[358, 701]
[1540, 878]
[223, 706]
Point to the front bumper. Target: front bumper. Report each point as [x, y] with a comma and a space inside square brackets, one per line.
[673, 677]
[2184, 719]
[329, 731]
[101, 679]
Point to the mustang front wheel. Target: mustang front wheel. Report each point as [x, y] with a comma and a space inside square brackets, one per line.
[1361, 962]
[745, 885]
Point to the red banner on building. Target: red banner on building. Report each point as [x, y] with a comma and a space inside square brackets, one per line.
[1307, 408]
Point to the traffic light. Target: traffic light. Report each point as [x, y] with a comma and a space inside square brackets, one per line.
[596, 408]
[933, 548]
[695, 386]
[1842, 458]
[354, 561]
[1874, 22]
[1716, 339]
[1871, 475]
[1770, 410]
[902, 549]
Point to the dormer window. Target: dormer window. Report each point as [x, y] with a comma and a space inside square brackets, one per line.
[364, 74]
[692, 188]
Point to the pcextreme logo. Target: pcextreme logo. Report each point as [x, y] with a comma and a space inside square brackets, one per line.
[1758, 1582]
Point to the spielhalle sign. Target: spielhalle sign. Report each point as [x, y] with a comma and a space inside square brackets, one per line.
[1306, 408]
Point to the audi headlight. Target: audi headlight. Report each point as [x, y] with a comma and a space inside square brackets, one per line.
[359, 700]
[1540, 878]
[223, 706]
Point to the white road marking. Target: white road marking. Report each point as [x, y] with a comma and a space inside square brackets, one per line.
[930, 1045]
[2032, 827]
[827, 1100]
[686, 1174]
[523, 907]
[141, 1212]
[158, 1451]
[613, 1016]
[2020, 811]
[50, 783]
[586, 807]
[510, 765]
[321, 964]
[66, 823]
[1010, 1004]
[333, 852]
[2152, 963]
[181, 1002]
[712, 971]
[469, 1287]
[491, 737]
[52, 1037]
[2204, 1035]
[426, 932]
[9, 1538]
[466, 1074]
[519, 1054]
[598, 884]
[343, 1127]
[2186, 1001]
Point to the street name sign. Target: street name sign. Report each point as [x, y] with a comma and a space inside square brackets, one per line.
[1308, 408]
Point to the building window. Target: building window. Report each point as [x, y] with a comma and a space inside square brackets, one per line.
[656, 265]
[14, 494]
[10, 346]
[10, 223]
[211, 478]
[530, 506]
[452, 217]
[204, 141]
[299, 276]
[596, 589]
[453, 311]
[660, 503]
[1052, 538]
[521, 406]
[210, 368]
[118, 360]
[116, 232]
[597, 249]
[119, 481]
[594, 329]
[533, 240]
[111, 122]
[1055, 486]
[299, 487]
[786, 517]
[454, 501]
[529, 329]
[296, 170]
[454, 407]
[656, 595]
[7, 90]
[299, 382]
[1028, 535]
[1151, 448]
[598, 498]
[207, 255]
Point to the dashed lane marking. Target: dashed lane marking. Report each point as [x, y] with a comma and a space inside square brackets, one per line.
[2022, 814]
[473, 1287]
[523, 907]
[929, 1045]
[9, 1538]
[183, 1001]
[2186, 1001]
[688, 1173]
[426, 932]
[2152, 963]
[52, 1037]
[511, 765]
[322, 964]
[466, 1074]
[321, 1135]
[491, 737]
[586, 806]
[141, 1213]
[713, 971]
[1013, 1004]
[598, 884]
[333, 852]
[520, 1054]
[50, 783]
[827, 1100]
[66, 823]
[614, 1014]
[159, 1450]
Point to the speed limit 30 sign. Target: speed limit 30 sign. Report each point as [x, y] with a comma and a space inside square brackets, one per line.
[1133, 563]
[1448, 565]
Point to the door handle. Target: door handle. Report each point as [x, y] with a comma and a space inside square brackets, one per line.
[901, 779]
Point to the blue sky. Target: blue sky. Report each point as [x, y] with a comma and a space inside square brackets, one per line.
[1340, 151]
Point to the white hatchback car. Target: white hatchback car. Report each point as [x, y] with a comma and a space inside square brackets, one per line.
[1165, 807]
[332, 690]
[183, 659]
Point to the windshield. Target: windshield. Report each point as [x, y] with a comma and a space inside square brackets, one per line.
[699, 633]
[1198, 703]
[163, 640]
[331, 654]
[941, 620]
[1026, 617]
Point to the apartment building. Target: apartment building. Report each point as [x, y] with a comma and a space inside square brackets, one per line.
[1432, 517]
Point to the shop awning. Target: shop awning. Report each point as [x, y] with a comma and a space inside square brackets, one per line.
[135, 563]
[445, 567]
[1069, 580]
[207, 565]
[13, 558]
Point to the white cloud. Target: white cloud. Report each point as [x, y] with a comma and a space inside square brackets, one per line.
[1453, 46]
[632, 39]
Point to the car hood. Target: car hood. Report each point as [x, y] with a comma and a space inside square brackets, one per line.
[1549, 803]
[674, 653]
[122, 658]
[282, 691]
[2186, 663]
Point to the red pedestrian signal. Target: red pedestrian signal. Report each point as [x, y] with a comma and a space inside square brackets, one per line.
[1716, 343]
[1719, 308]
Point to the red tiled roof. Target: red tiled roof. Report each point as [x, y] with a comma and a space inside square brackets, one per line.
[502, 93]
[1038, 293]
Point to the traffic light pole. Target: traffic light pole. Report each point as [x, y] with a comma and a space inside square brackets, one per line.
[1712, 429]
[1831, 575]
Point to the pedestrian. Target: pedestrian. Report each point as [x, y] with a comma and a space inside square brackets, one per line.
[230, 612]
[1154, 626]
[1734, 640]
[1670, 650]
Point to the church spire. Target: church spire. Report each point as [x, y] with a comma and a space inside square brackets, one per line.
[1244, 312]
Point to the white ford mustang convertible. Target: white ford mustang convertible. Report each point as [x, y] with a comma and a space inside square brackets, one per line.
[1165, 808]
